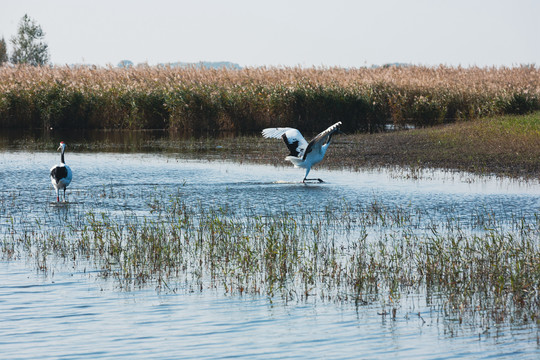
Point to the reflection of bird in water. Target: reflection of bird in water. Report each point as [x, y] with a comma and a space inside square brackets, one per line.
[302, 154]
[61, 174]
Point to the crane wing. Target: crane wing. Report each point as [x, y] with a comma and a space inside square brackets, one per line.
[58, 172]
[322, 139]
[292, 137]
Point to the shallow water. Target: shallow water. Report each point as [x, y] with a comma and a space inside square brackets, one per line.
[71, 315]
[71, 312]
[128, 182]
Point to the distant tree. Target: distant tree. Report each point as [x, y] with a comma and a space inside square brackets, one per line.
[28, 45]
[125, 64]
[3, 52]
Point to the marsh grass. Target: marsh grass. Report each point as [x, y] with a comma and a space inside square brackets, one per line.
[481, 268]
[209, 101]
[501, 145]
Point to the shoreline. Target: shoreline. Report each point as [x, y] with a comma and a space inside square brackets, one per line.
[502, 146]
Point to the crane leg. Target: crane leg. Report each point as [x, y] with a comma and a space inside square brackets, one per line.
[306, 179]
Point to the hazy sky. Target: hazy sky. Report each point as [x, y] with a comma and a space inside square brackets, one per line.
[285, 32]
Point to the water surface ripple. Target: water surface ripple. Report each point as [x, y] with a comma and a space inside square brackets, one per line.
[69, 312]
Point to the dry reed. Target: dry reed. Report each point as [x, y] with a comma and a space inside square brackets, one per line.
[206, 101]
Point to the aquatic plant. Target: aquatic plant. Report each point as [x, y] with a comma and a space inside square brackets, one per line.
[362, 253]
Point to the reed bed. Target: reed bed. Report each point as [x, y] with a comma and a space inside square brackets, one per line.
[479, 268]
[210, 101]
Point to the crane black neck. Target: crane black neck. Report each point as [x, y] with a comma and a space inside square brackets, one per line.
[62, 157]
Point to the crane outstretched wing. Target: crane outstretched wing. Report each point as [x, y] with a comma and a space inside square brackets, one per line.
[322, 139]
[292, 137]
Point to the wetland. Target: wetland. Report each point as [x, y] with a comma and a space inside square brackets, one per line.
[197, 240]
[213, 248]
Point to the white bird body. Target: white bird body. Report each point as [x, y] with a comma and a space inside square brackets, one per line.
[61, 174]
[303, 154]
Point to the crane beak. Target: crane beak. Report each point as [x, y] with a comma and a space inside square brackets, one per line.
[59, 148]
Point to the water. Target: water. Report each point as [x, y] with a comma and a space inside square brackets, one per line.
[71, 315]
[71, 312]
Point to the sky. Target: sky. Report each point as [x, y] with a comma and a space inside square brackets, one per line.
[285, 33]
